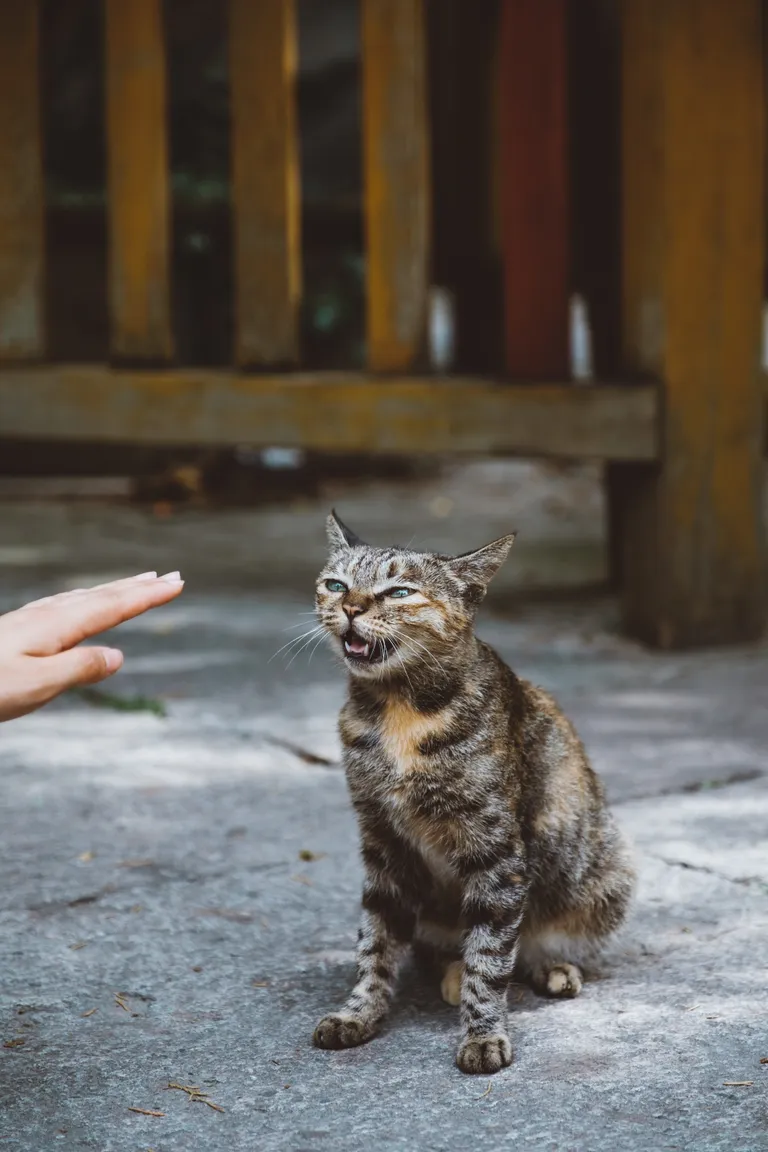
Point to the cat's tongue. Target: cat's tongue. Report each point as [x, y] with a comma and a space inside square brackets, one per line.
[356, 647]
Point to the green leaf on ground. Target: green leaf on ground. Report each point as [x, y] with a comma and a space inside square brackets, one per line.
[101, 699]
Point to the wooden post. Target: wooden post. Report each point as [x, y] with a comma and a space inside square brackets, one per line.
[594, 87]
[693, 144]
[21, 184]
[397, 193]
[265, 169]
[534, 186]
[137, 148]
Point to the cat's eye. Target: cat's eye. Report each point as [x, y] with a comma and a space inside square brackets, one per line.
[335, 586]
[399, 593]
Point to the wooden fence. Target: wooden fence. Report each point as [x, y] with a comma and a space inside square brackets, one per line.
[687, 431]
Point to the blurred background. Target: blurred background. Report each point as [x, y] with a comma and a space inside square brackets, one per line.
[465, 226]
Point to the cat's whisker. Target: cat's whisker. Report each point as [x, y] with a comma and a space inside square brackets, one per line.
[298, 623]
[409, 641]
[296, 640]
[317, 644]
[405, 669]
[313, 634]
[293, 640]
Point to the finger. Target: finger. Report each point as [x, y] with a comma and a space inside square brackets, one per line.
[55, 628]
[86, 665]
[60, 597]
[43, 678]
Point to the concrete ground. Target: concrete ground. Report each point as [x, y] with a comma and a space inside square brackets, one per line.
[160, 921]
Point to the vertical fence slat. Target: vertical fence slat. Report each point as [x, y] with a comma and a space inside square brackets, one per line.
[21, 184]
[694, 244]
[138, 180]
[397, 194]
[534, 194]
[265, 172]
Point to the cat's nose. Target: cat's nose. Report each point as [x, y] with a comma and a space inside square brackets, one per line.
[353, 610]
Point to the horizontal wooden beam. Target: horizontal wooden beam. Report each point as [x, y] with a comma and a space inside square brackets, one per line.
[330, 412]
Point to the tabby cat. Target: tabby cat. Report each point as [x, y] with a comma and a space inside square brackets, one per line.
[486, 841]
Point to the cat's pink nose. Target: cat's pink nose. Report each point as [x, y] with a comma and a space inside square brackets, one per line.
[353, 610]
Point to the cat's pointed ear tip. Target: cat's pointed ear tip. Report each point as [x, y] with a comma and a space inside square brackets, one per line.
[338, 532]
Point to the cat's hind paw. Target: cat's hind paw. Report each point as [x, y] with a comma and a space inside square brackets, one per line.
[564, 980]
[450, 987]
[342, 1031]
[484, 1055]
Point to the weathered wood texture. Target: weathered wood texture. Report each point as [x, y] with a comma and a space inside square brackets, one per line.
[265, 173]
[397, 181]
[338, 412]
[534, 185]
[693, 144]
[137, 150]
[21, 184]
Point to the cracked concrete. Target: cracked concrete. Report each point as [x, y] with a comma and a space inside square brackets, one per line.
[159, 919]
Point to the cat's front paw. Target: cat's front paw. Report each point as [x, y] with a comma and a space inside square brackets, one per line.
[484, 1055]
[342, 1031]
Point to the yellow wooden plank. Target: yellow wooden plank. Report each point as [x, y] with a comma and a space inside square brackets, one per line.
[21, 184]
[265, 172]
[693, 139]
[329, 411]
[137, 150]
[397, 195]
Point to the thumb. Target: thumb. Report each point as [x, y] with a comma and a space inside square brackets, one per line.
[85, 665]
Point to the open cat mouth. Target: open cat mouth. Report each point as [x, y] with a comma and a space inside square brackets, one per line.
[358, 650]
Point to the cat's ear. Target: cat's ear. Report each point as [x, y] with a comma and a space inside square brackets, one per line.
[481, 566]
[339, 536]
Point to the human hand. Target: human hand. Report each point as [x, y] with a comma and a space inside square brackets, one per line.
[39, 657]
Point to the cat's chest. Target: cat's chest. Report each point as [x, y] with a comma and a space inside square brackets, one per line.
[404, 736]
[396, 770]
[412, 780]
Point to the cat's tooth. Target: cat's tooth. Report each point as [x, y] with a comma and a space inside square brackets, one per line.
[346, 646]
[367, 651]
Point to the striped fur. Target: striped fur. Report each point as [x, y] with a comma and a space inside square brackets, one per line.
[485, 837]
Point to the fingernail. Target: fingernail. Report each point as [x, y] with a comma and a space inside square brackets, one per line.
[113, 659]
[172, 577]
[144, 576]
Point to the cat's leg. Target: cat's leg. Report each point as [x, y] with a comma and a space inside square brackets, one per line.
[556, 944]
[494, 905]
[385, 930]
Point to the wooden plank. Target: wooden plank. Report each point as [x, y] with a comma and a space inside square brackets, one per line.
[137, 169]
[397, 178]
[693, 250]
[265, 173]
[533, 123]
[594, 88]
[21, 184]
[329, 411]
